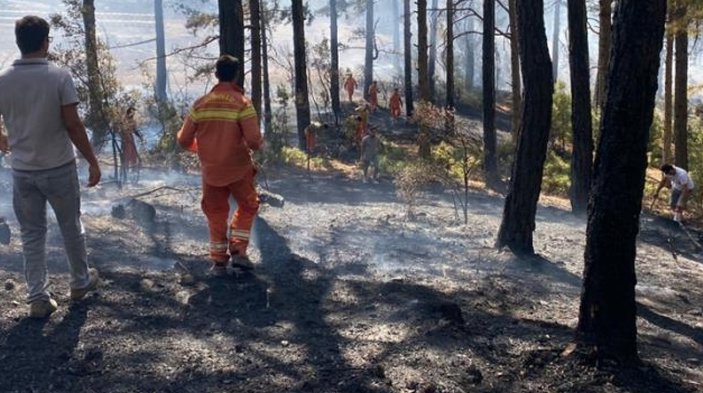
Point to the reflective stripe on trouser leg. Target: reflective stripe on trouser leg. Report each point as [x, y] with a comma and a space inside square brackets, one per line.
[244, 192]
[215, 205]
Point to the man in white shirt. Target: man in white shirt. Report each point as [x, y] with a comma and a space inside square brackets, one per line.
[38, 103]
[681, 187]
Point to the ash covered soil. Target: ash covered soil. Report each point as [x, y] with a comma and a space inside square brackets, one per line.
[349, 295]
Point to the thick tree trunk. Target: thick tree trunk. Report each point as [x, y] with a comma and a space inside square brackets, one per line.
[334, 65]
[265, 69]
[161, 73]
[97, 112]
[607, 316]
[408, 59]
[432, 62]
[515, 71]
[555, 40]
[681, 98]
[604, 36]
[368, 58]
[422, 72]
[582, 156]
[521, 203]
[470, 61]
[668, 98]
[450, 54]
[490, 160]
[232, 33]
[302, 103]
[255, 20]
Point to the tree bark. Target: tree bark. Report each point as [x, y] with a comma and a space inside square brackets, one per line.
[432, 62]
[681, 94]
[470, 61]
[255, 19]
[334, 62]
[604, 37]
[521, 203]
[582, 155]
[302, 103]
[232, 33]
[555, 40]
[408, 59]
[97, 112]
[668, 98]
[422, 71]
[368, 58]
[450, 54]
[607, 315]
[515, 71]
[490, 160]
[265, 68]
[161, 73]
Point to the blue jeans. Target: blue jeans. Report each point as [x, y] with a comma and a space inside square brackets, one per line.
[31, 191]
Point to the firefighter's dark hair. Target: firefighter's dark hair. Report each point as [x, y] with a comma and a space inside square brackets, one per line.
[226, 68]
[30, 33]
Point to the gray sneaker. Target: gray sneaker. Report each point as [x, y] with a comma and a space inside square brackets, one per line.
[79, 293]
[241, 262]
[42, 308]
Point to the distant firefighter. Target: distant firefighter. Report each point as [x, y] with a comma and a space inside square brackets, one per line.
[311, 133]
[350, 85]
[362, 113]
[128, 128]
[395, 103]
[373, 96]
[223, 128]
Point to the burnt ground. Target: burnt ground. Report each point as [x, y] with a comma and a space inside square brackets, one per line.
[349, 295]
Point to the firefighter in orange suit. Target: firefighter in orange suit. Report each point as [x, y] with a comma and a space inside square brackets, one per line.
[395, 103]
[350, 85]
[373, 96]
[223, 128]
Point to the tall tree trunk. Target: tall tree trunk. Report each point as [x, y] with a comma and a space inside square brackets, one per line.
[604, 36]
[515, 70]
[668, 98]
[255, 19]
[607, 315]
[161, 73]
[232, 33]
[302, 103]
[490, 160]
[396, 35]
[555, 40]
[582, 156]
[450, 54]
[408, 58]
[368, 58]
[521, 203]
[334, 72]
[422, 72]
[265, 68]
[432, 62]
[681, 94]
[470, 61]
[97, 113]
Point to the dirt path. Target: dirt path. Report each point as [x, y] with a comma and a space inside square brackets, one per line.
[348, 296]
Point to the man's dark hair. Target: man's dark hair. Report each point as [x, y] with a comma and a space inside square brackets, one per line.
[666, 168]
[226, 68]
[30, 33]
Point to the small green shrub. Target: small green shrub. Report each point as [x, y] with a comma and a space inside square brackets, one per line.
[556, 175]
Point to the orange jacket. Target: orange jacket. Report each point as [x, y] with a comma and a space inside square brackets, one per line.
[222, 127]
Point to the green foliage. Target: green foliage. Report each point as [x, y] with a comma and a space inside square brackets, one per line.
[656, 136]
[561, 133]
[695, 158]
[556, 175]
[392, 158]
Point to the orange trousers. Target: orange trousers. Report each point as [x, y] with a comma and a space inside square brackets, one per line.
[215, 205]
[395, 111]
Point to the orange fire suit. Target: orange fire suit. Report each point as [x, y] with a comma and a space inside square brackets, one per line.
[222, 127]
[373, 97]
[395, 103]
[349, 85]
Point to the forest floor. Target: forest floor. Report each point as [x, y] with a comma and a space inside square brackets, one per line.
[349, 295]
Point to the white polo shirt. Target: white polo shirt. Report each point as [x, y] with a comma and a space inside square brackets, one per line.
[32, 92]
[680, 179]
